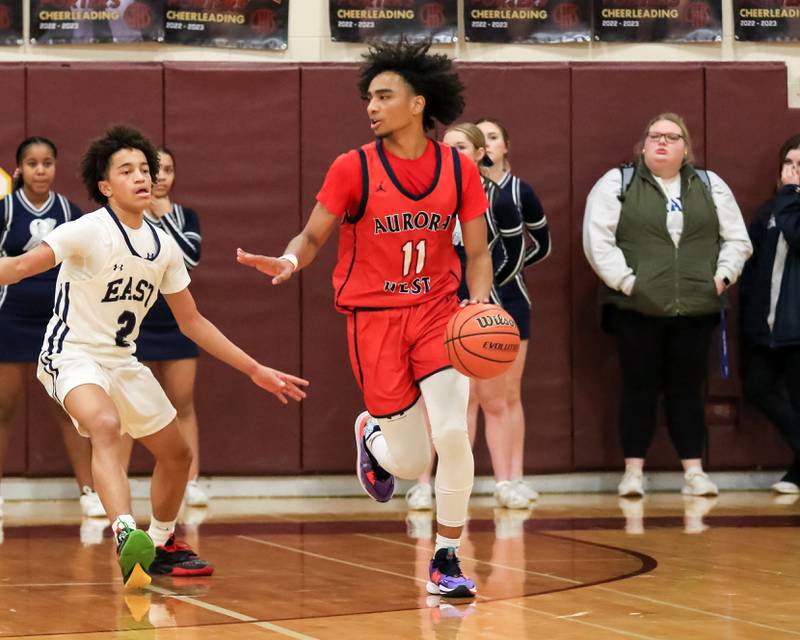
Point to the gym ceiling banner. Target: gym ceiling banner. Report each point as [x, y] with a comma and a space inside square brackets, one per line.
[775, 20]
[241, 24]
[10, 23]
[658, 20]
[527, 21]
[365, 20]
[95, 21]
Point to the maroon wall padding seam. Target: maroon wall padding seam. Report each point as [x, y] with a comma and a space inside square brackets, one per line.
[611, 104]
[234, 132]
[90, 98]
[334, 120]
[12, 132]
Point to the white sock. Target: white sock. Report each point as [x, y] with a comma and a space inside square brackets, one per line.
[693, 469]
[123, 521]
[160, 531]
[446, 543]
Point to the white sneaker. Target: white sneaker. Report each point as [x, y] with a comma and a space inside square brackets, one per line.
[525, 489]
[632, 484]
[92, 528]
[783, 486]
[420, 497]
[91, 507]
[195, 496]
[506, 495]
[697, 483]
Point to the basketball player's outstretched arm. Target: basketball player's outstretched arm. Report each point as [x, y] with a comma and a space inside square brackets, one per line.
[303, 246]
[30, 263]
[199, 329]
[479, 262]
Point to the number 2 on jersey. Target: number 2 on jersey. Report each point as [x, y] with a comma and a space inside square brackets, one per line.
[127, 322]
[408, 254]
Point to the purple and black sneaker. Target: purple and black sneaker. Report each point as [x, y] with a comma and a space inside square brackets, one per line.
[446, 578]
[377, 483]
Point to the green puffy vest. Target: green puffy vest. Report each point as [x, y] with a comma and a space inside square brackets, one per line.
[670, 280]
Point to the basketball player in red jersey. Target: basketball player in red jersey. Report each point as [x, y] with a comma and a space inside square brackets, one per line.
[396, 201]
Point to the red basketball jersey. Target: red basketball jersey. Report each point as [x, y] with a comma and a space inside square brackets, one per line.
[396, 248]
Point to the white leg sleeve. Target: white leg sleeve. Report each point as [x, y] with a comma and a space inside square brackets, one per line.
[401, 447]
[446, 394]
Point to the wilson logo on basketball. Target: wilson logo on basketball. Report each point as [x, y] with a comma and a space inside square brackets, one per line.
[484, 322]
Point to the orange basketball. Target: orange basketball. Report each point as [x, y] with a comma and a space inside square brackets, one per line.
[482, 340]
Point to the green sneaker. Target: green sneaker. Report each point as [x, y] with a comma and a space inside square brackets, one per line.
[135, 551]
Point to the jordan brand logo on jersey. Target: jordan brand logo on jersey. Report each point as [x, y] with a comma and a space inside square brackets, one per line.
[380, 187]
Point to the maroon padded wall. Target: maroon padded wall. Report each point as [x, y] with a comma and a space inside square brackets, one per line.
[334, 120]
[611, 104]
[234, 132]
[533, 102]
[12, 132]
[91, 97]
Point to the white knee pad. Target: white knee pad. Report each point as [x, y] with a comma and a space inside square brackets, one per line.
[405, 451]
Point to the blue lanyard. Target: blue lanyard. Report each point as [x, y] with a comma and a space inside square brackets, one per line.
[723, 345]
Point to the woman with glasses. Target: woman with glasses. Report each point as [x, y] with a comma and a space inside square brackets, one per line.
[770, 298]
[666, 247]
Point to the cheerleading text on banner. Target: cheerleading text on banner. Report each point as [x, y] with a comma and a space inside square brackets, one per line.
[10, 22]
[658, 20]
[366, 20]
[94, 21]
[766, 20]
[241, 24]
[521, 21]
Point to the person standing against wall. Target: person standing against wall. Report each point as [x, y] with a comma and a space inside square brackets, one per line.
[161, 345]
[27, 215]
[666, 247]
[770, 310]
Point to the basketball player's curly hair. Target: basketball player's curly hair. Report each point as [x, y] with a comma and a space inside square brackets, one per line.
[430, 75]
[97, 159]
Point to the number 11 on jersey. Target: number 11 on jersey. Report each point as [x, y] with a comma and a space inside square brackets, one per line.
[408, 254]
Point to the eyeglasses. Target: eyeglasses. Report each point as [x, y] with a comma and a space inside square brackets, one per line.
[670, 138]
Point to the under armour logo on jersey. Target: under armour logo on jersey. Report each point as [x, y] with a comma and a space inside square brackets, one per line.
[380, 188]
[150, 256]
[118, 267]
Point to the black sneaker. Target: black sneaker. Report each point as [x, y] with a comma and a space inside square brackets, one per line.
[178, 559]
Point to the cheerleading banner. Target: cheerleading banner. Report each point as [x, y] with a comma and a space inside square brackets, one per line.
[658, 20]
[10, 22]
[766, 20]
[94, 21]
[366, 20]
[243, 24]
[521, 21]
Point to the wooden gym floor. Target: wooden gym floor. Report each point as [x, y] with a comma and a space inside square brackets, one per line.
[574, 567]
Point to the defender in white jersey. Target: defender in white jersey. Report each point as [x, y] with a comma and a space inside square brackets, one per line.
[114, 263]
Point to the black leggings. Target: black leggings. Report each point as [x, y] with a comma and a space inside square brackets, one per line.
[772, 383]
[666, 356]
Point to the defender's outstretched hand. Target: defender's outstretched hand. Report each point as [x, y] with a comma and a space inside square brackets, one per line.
[280, 268]
[282, 385]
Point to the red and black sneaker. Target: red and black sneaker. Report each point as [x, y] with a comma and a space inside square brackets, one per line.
[178, 559]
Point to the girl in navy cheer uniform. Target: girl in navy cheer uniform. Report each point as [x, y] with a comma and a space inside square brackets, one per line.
[161, 345]
[515, 298]
[27, 215]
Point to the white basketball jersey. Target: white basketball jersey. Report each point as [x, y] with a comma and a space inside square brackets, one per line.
[101, 315]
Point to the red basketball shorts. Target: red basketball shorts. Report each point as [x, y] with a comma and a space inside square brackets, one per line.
[393, 350]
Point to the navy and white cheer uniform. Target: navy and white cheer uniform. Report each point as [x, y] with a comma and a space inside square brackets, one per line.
[160, 338]
[110, 276]
[26, 307]
[514, 295]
